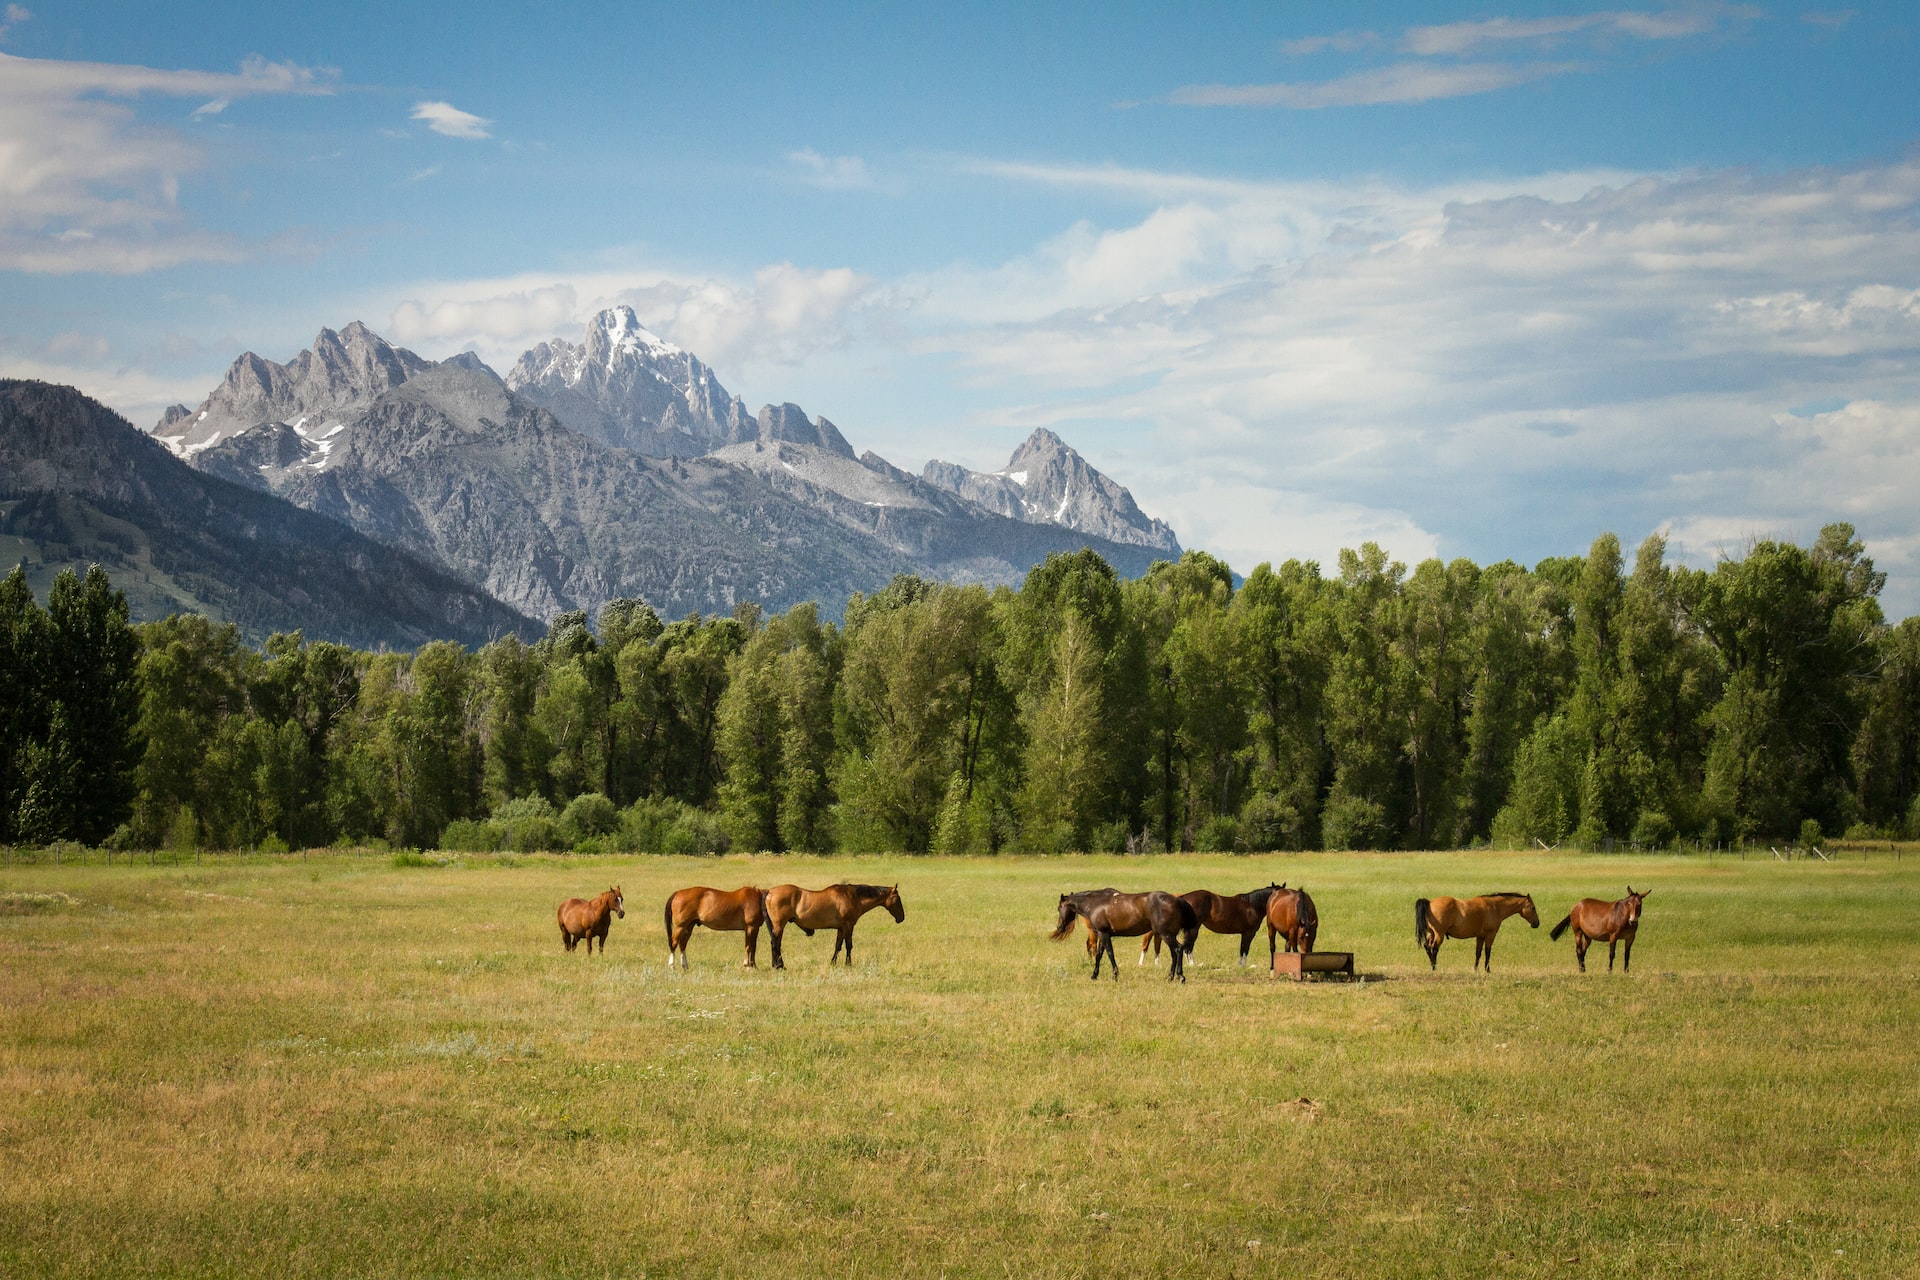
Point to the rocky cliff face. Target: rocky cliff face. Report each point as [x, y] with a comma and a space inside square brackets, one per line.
[1047, 482]
[310, 392]
[624, 386]
[79, 484]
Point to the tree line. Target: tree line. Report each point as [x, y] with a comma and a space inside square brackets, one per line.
[1581, 700]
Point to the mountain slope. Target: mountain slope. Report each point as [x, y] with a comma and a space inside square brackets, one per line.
[1047, 482]
[454, 467]
[80, 484]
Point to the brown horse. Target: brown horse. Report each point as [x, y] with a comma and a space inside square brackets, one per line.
[580, 918]
[837, 907]
[1593, 919]
[742, 910]
[1290, 915]
[1241, 913]
[1437, 919]
[1128, 915]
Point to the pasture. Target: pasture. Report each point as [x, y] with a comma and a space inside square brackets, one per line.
[340, 1066]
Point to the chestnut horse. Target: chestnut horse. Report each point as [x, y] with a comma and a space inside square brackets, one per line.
[1437, 919]
[1241, 913]
[1128, 915]
[1593, 920]
[580, 918]
[742, 910]
[837, 907]
[1290, 915]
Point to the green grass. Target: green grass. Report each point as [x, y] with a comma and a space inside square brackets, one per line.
[346, 1067]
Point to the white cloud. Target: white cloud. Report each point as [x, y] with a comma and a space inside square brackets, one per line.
[209, 109]
[13, 17]
[449, 120]
[1402, 82]
[1670, 24]
[833, 173]
[86, 186]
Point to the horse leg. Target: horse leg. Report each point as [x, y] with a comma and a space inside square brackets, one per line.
[1246, 945]
[849, 936]
[1151, 940]
[773, 943]
[1612, 943]
[1179, 967]
[1626, 960]
[1113, 965]
[1580, 944]
[1099, 953]
[753, 945]
[1489, 955]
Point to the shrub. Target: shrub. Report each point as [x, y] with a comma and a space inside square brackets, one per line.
[274, 844]
[1810, 835]
[696, 831]
[1218, 834]
[587, 816]
[530, 825]
[1654, 830]
[415, 858]
[1354, 822]
[467, 835]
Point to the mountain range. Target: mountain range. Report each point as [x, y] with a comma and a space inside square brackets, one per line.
[620, 466]
[79, 484]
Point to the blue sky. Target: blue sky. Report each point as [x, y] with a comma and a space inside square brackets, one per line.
[1475, 280]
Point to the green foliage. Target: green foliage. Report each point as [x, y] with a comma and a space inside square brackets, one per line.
[1578, 701]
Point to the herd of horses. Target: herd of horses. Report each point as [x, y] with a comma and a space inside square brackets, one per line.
[1158, 919]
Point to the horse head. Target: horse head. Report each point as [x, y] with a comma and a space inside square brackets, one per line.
[895, 908]
[1632, 903]
[617, 902]
[1068, 909]
[1529, 914]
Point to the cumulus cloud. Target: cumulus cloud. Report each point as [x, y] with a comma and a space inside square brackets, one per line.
[833, 173]
[85, 185]
[1501, 373]
[450, 121]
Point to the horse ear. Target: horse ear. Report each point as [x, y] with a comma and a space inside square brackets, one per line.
[1646, 893]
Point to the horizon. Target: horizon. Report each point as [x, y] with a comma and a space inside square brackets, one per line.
[1295, 285]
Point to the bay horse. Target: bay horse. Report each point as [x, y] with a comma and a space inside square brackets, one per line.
[1437, 919]
[1593, 919]
[837, 907]
[743, 910]
[1128, 915]
[1291, 915]
[580, 918]
[1241, 913]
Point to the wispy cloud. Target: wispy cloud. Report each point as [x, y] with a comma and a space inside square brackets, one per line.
[446, 119]
[834, 173]
[12, 17]
[1457, 38]
[1402, 82]
[1429, 70]
[206, 110]
[87, 186]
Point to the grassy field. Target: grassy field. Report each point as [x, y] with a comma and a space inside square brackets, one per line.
[345, 1067]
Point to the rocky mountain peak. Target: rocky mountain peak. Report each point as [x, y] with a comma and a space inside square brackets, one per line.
[789, 422]
[1047, 482]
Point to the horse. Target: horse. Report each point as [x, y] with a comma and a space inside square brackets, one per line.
[838, 907]
[1241, 913]
[1593, 919]
[1290, 915]
[1128, 915]
[742, 910]
[1437, 919]
[580, 918]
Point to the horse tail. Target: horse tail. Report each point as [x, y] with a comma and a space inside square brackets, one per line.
[1561, 927]
[1420, 920]
[1066, 924]
[667, 914]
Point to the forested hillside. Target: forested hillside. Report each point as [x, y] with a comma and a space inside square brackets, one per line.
[1583, 699]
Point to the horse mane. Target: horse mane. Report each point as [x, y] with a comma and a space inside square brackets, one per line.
[1506, 894]
[870, 890]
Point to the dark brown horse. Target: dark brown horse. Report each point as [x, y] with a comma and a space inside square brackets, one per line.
[1290, 915]
[581, 918]
[1594, 920]
[837, 907]
[1128, 915]
[1241, 913]
[1437, 919]
[742, 910]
